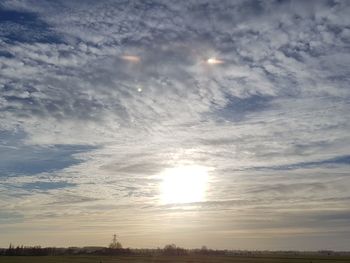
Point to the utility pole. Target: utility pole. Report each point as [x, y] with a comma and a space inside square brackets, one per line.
[114, 241]
[115, 244]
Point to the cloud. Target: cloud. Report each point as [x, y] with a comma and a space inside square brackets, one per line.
[86, 131]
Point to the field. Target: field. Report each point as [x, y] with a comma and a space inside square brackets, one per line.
[178, 259]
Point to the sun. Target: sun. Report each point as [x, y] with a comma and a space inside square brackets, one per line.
[184, 184]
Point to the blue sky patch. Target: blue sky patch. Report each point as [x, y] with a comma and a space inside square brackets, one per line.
[20, 26]
[31, 160]
[18, 158]
[237, 108]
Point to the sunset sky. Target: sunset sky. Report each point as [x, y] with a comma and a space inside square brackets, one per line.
[217, 123]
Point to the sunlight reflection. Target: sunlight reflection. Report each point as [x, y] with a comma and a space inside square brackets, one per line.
[184, 184]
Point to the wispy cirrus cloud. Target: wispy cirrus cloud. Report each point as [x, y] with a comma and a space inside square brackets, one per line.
[94, 129]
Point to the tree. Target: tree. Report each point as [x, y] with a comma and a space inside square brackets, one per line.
[173, 250]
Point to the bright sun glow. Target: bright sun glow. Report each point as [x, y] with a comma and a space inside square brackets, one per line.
[184, 184]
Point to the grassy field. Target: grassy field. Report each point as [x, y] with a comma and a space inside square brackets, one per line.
[180, 259]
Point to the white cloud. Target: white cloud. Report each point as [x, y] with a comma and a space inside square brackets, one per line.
[81, 91]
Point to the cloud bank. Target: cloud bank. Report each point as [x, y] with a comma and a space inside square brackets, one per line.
[85, 132]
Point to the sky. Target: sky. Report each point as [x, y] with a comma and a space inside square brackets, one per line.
[217, 123]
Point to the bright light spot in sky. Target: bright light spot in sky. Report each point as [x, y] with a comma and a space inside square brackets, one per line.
[139, 89]
[131, 58]
[184, 184]
[214, 61]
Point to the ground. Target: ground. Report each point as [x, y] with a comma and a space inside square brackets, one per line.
[179, 259]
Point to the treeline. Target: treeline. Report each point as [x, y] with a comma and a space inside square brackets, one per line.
[27, 251]
[53, 251]
[168, 250]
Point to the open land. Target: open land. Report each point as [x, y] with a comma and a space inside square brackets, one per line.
[173, 259]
